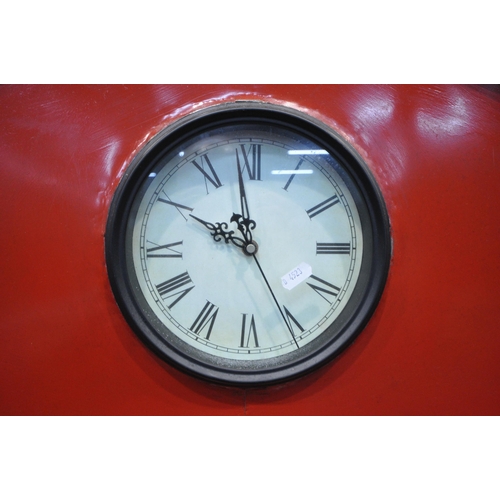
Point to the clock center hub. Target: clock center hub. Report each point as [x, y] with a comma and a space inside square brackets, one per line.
[250, 248]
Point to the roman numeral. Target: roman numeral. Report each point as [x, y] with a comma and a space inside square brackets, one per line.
[178, 206]
[253, 155]
[206, 317]
[333, 248]
[214, 178]
[250, 333]
[290, 318]
[331, 290]
[321, 207]
[166, 288]
[164, 251]
[290, 179]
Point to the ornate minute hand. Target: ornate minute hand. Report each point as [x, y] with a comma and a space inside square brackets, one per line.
[245, 224]
[243, 197]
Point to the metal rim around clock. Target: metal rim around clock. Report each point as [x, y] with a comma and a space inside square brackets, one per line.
[363, 298]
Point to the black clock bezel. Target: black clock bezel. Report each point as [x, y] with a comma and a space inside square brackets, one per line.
[362, 303]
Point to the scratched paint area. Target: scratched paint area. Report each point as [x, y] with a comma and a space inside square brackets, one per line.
[432, 346]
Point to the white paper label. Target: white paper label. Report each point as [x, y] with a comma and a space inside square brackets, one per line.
[296, 275]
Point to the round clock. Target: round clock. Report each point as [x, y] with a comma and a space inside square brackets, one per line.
[247, 244]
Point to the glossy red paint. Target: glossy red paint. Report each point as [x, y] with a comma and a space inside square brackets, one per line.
[432, 347]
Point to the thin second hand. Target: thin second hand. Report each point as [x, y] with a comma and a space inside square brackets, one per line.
[276, 301]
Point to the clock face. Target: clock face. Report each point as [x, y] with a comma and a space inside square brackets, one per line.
[247, 244]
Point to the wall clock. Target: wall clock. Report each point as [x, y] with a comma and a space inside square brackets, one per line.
[247, 244]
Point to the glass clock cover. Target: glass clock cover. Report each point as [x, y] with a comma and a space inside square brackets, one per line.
[247, 244]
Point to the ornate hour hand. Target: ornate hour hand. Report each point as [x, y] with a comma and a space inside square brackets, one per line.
[219, 233]
[217, 230]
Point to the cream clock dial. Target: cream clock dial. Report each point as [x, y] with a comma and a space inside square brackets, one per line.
[247, 244]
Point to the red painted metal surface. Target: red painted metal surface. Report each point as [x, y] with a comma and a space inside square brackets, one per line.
[433, 345]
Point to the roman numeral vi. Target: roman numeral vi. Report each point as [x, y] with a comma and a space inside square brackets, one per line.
[247, 334]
